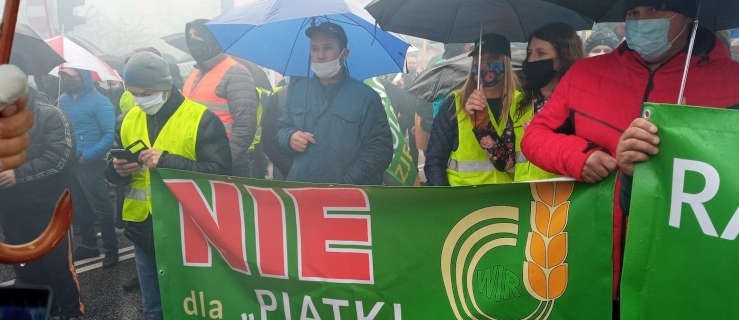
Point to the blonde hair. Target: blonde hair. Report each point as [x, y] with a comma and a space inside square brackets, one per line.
[510, 86]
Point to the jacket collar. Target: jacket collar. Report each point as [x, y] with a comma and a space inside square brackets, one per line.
[209, 64]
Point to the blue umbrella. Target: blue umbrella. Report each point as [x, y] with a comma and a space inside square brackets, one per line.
[271, 33]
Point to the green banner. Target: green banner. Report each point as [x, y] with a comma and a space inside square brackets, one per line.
[681, 248]
[232, 248]
[402, 168]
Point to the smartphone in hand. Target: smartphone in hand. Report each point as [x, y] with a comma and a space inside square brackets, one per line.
[130, 153]
[124, 154]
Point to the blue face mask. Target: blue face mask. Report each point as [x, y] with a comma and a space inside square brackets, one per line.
[648, 37]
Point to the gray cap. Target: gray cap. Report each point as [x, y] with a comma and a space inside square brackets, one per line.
[147, 70]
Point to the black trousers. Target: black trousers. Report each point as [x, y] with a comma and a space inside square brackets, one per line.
[24, 220]
[93, 203]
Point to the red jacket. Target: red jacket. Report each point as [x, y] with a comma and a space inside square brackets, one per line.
[599, 97]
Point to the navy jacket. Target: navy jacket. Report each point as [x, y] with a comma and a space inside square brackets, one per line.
[353, 140]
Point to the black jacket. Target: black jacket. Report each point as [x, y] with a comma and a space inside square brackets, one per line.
[443, 140]
[49, 165]
[212, 151]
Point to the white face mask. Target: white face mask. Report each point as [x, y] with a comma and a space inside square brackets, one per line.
[324, 70]
[150, 104]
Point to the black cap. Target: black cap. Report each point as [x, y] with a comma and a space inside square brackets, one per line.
[494, 44]
[688, 8]
[331, 29]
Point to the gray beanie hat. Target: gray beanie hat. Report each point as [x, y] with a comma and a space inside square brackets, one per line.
[602, 37]
[147, 70]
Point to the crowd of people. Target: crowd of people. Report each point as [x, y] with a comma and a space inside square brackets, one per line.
[571, 110]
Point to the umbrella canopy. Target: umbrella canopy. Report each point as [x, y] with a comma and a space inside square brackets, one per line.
[442, 78]
[79, 58]
[31, 53]
[271, 33]
[452, 21]
[713, 14]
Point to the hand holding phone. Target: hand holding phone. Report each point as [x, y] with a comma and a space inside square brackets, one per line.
[125, 168]
[127, 161]
[124, 154]
[130, 153]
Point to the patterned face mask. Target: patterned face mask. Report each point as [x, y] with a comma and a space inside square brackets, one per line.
[491, 75]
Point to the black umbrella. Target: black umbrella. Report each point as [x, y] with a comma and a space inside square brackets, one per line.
[32, 54]
[712, 14]
[177, 40]
[442, 78]
[452, 21]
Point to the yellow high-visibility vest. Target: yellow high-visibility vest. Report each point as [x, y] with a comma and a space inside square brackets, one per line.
[525, 170]
[469, 164]
[178, 136]
[261, 93]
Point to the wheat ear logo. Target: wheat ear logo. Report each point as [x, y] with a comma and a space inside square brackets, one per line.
[545, 270]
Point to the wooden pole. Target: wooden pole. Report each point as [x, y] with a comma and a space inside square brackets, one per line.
[7, 32]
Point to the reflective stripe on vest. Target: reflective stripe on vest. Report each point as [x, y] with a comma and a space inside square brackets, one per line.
[520, 157]
[203, 90]
[469, 164]
[178, 136]
[136, 194]
[525, 170]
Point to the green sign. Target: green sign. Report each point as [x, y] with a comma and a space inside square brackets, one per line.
[681, 249]
[402, 168]
[232, 248]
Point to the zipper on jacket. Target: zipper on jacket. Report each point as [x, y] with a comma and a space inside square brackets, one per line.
[650, 82]
[650, 86]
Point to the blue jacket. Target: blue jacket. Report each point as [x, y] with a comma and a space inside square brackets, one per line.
[93, 119]
[353, 140]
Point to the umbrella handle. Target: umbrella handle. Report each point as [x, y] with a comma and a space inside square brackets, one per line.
[479, 60]
[47, 241]
[10, 18]
[691, 44]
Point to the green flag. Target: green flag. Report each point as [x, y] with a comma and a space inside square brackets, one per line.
[402, 168]
[233, 248]
[681, 247]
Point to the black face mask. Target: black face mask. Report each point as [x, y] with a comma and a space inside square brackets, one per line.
[538, 73]
[200, 50]
[72, 85]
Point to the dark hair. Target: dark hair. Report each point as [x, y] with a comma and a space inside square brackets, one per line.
[568, 46]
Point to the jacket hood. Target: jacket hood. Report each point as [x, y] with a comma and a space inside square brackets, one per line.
[202, 29]
[87, 81]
